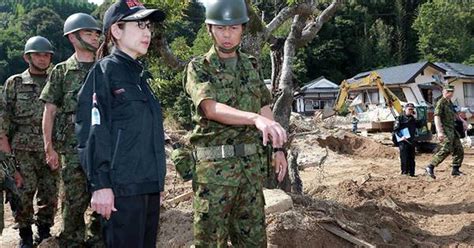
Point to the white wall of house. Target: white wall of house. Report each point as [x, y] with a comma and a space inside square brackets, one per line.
[414, 94]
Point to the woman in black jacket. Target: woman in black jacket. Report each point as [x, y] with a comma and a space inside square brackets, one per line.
[120, 130]
[406, 144]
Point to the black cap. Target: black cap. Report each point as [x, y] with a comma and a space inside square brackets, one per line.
[410, 105]
[130, 10]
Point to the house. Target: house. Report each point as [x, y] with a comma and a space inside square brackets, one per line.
[319, 93]
[417, 83]
[462, 77]
[410, 82]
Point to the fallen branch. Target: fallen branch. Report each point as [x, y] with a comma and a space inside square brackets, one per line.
[343, 234]
[179, 198]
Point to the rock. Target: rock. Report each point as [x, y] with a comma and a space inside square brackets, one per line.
[277, 201]
[385, 234]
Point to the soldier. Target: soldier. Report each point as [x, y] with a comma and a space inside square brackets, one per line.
[10, 181]
[23, 118]
[232, 116]
[59, 95]
[120, 130]
[448, 136]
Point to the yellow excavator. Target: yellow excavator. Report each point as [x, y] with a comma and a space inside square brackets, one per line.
[392, 101]
[373, 79]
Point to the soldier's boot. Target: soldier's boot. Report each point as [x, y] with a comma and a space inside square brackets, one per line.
[456, 171]
[26, 235]
[430, 171]
[44, 232]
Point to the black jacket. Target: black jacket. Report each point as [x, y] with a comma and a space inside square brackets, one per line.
[125, 151]
[404, 121]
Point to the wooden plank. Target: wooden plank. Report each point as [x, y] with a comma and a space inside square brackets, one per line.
[180, 198]
[343, 234]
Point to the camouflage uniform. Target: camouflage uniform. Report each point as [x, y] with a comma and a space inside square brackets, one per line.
[228, 196]
[61, 90]
[23, 115]
[451, 144]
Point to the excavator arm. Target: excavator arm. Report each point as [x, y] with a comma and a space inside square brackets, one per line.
[372, 80]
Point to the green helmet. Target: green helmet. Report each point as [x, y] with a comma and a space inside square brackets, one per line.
[79, 21]
[38, 44]
[226, 12]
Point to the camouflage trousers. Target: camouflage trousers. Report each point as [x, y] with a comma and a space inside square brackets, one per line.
[450, 145]
[40, 180]
[75, 202]
[221, 212]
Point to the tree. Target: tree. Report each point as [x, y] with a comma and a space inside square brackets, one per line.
[446, 31]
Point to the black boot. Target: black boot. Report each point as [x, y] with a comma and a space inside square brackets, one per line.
[26, 236]
[456, 171]
[430, 171]
[43, 233]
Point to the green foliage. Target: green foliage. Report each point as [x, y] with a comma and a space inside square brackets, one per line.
[21, 19]
[445, 31]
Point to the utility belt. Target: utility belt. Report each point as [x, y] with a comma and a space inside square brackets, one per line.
[225, 151]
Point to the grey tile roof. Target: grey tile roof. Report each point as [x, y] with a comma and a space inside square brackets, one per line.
[318, 84]
[456, 69]
[401, 74]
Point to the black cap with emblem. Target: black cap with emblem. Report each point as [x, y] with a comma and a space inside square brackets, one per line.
[130, 10]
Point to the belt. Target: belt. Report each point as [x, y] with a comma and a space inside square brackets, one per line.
[225, 151]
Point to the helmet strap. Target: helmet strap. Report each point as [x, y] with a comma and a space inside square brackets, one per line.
[84, 44]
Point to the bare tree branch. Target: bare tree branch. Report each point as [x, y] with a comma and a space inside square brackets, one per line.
[287, 13]
[169, 58]
[312, 28]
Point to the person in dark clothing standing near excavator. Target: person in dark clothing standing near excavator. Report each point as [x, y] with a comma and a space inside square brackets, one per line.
[407, 144]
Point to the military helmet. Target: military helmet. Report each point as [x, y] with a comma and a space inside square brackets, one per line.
[38, 44]
[226, 12]
[80, 21]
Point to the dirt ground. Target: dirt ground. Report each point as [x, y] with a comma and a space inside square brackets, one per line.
[352, 182]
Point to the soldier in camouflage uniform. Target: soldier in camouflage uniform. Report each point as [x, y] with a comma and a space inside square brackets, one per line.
[22, 122]
[231, 111]
[59, 96]
[445, 117]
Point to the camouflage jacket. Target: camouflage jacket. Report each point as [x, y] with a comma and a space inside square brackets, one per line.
[444, 109]
[242, 88]
[23, 111]
[62, 87]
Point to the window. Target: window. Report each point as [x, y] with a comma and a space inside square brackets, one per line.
[399, 93]
[469, 95]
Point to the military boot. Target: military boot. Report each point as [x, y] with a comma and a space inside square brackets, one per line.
[456, 171]
[26, 236]
[430, 171]
[43, 233]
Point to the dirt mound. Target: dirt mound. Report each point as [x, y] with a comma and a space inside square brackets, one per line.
[350, 144]
[176, 228]
[299, 230]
